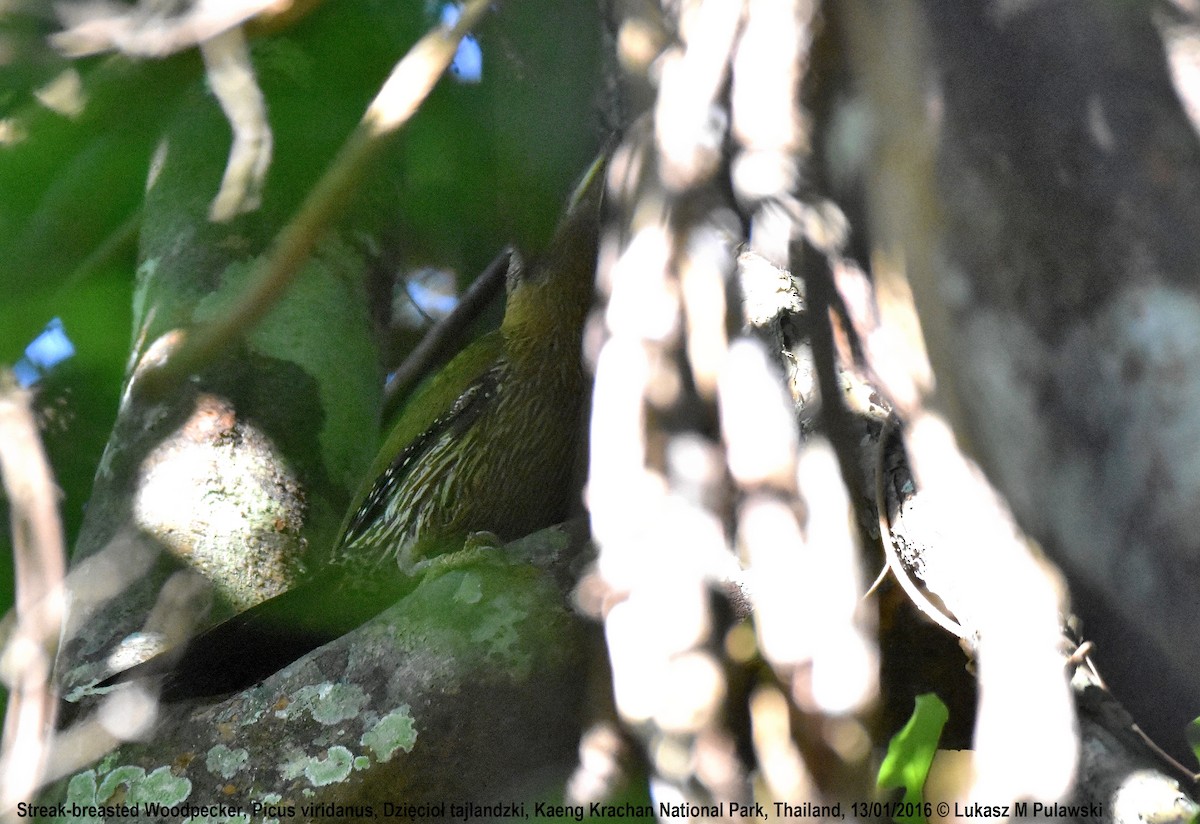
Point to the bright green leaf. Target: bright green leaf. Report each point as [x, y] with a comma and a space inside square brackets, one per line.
[910, 752]
[1193, 737]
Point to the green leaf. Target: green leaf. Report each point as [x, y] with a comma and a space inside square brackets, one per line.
[910, 752]
[1193, 737]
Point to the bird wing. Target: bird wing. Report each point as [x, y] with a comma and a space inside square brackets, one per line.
[422, 465]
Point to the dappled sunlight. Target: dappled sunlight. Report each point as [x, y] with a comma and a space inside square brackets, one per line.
[898, 292]
[64, 94]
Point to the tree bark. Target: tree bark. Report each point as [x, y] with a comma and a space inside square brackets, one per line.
[1060, 309]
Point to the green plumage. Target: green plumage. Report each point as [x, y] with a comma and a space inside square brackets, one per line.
[489, 444]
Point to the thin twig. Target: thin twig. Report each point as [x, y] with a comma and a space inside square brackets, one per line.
[406, 87]
[231, 78]
[39, 562]
[894, 563]
[433, 350]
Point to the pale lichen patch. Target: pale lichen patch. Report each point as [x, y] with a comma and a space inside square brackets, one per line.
[162, 787]
[498, 629]
[223, 761]
[293, 765]
[81, 790]
[91, 788]
[395, 731]
[336, 764]
[328, 703]
[331, 769]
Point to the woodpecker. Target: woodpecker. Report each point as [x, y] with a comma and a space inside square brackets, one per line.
[488, 445]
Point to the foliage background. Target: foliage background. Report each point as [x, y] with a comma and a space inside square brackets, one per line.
[482, 165]
[460, 183]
